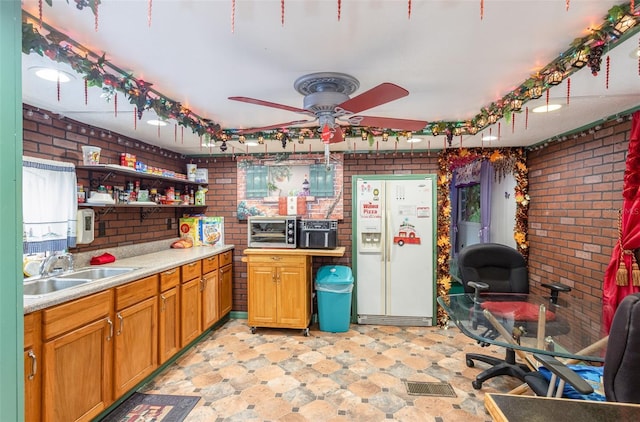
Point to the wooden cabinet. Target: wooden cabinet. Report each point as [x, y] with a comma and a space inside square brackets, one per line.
[136, 333]
[225, 283]
[77, 358]
[190, 303]
[279, 291]
[209, 292]
[169, 315]
[32, 367]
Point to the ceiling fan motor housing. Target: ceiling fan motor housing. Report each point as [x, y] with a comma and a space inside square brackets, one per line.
[324, 91]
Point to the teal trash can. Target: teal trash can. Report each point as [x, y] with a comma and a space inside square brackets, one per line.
[334, 284]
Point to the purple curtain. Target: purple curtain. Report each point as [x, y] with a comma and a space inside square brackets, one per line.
[486, 176]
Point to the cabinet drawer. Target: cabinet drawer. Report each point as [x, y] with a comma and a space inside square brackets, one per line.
[136, 291]
[69, 316]
[226, 258]
[191, 271]
[278, 259]
[31, 329]
[209, 264]
[169, 279]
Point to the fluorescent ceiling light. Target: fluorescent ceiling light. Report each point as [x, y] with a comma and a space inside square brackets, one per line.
[251, 143]
[53, 75]
[489, 138]
[546, 109]
[414, 140]
[156, 122]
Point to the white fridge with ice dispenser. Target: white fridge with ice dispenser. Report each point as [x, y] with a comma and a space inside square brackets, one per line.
[394, 249]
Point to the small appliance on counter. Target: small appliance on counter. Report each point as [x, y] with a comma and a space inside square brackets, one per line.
[272, 232]
[318, 234]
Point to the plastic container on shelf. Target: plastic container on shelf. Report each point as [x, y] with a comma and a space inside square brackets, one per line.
[334, 284]
[90, 155]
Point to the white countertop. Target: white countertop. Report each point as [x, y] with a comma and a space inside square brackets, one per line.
[146, 265]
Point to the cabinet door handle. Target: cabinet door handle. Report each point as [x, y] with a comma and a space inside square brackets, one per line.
[121, 324]
[193, 264]
[110, 329]
[169, 272]
[164, 302]
[202, 282]
[34, 364]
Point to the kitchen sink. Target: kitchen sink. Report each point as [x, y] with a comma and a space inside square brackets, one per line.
[51, 285]
[96, 273]
[71, 279]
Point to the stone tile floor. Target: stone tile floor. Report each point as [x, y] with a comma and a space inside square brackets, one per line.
[359, 375]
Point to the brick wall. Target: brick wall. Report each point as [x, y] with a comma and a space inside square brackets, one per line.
[575, 188]
[222, 197]
[48, 136]
[576, 191]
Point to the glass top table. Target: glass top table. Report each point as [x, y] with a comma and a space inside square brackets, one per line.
[530, 323]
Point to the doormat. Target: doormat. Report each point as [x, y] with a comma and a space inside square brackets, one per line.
[152, 407]
[440, 389]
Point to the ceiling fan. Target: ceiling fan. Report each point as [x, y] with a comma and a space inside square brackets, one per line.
[326, 99]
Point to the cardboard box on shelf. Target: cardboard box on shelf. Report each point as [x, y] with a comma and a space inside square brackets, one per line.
[202, 176]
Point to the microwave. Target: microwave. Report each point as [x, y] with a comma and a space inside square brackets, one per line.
[272, 232]
[318, 234]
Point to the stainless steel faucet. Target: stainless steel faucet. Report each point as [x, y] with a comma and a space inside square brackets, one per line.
[56, 264]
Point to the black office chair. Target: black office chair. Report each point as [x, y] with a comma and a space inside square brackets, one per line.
[621, 364]
[497, 268]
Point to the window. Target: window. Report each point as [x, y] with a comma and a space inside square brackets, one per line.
[469, 203]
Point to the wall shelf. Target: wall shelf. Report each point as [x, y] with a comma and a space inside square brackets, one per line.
[113, 169]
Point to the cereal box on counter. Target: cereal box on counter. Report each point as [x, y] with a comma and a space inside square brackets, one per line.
[203, 230]
[212, 231]
[190, 229]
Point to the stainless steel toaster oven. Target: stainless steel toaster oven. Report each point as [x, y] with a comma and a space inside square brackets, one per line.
[272, 232]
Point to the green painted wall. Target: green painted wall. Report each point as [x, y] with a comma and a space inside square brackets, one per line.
[11, 308]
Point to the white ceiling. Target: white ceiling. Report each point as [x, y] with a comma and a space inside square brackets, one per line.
[452, 62]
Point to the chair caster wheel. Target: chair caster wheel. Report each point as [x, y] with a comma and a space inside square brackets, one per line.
[470, 363]
[476, 384]
[253, 330]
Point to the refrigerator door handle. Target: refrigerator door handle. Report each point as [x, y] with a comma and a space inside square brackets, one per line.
[387, 236]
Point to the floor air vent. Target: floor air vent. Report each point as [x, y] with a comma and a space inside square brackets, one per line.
[441, 389]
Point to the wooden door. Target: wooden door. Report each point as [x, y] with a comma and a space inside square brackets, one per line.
[262, 294]
[32, 367]
[169, 324]
[293, 307]
[209, 298]
[189, 311]
[76, 373]
[136, 344]
[225, 290]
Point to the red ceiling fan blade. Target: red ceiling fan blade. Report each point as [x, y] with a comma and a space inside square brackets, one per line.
[269, 104]
[391, 123]
[376, 96]
[337, 135]
[276, 126]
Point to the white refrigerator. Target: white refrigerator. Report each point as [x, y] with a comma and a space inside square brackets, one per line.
[394, 230]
